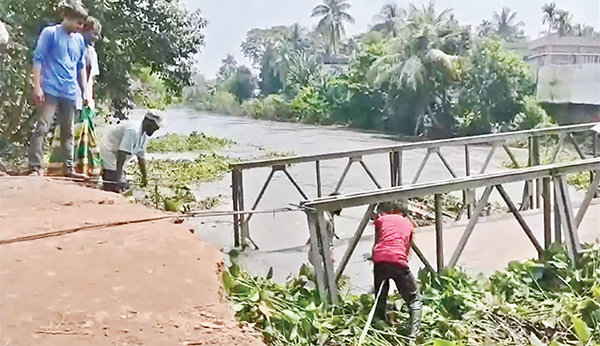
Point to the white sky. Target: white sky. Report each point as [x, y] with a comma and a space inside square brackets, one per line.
[231, 19]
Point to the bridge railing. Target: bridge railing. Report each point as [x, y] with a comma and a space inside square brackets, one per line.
[531, 193]
[566, 221]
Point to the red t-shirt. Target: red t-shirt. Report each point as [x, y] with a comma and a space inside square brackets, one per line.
[395, 236]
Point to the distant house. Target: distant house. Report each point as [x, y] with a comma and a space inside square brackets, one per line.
[567, 72]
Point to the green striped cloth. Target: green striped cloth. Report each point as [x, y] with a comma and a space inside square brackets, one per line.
[86, 156]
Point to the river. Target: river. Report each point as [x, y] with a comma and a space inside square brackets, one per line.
[281, 237]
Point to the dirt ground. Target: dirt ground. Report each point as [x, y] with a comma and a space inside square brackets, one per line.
[149, 283]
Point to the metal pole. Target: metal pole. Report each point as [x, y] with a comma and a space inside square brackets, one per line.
[399, 160]
[318, 172]
[547, 213]
[393, 169]
[557, 220]
[235, 197]
[439, 236]
[538, 182]
[466, 203]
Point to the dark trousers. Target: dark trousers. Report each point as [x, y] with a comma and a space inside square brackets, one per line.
[407, 287]
[65, 111]
[111, 182]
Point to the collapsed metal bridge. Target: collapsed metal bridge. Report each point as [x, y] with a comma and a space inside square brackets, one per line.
[544, 187]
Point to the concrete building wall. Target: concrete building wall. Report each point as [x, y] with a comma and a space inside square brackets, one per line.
[569, 83]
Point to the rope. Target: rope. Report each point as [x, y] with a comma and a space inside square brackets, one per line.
[207, 213]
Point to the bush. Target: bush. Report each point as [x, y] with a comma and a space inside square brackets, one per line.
[532, 115]
[253, 108]
[309, 107]
[275, 107]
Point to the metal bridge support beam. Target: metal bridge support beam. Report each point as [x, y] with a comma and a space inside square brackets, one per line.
[321, 256]
[567, 219]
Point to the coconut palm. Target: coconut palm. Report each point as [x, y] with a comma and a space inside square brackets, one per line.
[563, 22]
[506, 26]
[415, 63]
[486, 28]
[549, 11]
[333, 16]
[388, 18]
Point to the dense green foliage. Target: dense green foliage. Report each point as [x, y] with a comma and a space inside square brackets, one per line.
[554, 302]
[416, 72]
[156, 37]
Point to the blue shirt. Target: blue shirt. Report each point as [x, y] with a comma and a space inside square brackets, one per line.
[62, 55]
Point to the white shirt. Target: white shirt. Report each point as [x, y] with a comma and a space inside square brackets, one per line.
[127, 136]
[91, 58]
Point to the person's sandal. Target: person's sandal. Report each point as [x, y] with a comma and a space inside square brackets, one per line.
[34, 173]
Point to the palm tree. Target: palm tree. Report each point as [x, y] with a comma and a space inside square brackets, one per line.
[506, 26]
[414, 62]
[333, 16]
[388, 18]
[549, 11]
[563, 22]
[486, 28]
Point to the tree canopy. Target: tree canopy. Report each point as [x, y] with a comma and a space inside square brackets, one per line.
[159, 35]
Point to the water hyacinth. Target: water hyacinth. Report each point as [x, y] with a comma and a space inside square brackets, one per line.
[551, 302]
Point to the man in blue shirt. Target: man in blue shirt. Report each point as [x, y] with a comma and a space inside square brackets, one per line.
[59, 79]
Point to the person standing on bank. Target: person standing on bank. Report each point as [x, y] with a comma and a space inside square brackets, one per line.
[125, 140]
[59, 80]
[393, 239]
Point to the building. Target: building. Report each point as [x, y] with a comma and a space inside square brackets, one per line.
[567, 73]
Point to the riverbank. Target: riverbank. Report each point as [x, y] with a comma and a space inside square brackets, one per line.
[147, 283]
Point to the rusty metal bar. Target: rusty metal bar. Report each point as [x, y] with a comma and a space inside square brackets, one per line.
[355, 240]
[470, 226]
[439, 235]
[421, 166]
[364, 166]
[519, 217]
[295, 184]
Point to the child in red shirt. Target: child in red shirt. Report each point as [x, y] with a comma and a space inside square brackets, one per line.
[393, 238]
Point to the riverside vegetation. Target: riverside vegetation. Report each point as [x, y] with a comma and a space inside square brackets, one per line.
[416, 71]
[539, 303]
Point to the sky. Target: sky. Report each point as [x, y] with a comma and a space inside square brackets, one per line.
[231, 19]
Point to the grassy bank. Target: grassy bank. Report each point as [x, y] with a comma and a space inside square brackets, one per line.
[530, 303]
